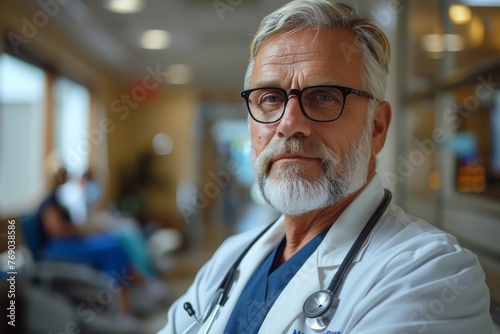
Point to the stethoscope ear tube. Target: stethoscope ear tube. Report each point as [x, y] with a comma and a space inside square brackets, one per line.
[226, 285]
[360, 240]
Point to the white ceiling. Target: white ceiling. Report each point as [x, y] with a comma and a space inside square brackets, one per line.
[215, 43]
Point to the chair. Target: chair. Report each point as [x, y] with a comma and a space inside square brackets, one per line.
[82, 297]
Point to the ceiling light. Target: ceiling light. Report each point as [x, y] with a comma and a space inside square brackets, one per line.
[178, 74]
[437, 43]
[155, 39]
[124, 6]
[460, 14]
[433, 43]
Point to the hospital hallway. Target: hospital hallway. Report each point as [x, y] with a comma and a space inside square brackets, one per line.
[129, 115]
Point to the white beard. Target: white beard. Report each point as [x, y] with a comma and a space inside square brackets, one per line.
[293, 195]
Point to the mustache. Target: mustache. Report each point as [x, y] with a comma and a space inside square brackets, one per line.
[310, 149]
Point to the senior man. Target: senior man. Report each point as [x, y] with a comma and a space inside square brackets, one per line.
[341, 258]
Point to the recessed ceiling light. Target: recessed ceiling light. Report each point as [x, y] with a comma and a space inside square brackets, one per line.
[155, 39]
[124, 6]
[460, 14]
[178, 74]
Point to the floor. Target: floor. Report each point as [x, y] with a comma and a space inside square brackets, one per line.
[181, 277]
[185, 266]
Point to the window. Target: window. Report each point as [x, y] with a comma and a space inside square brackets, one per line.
[71, 117]
[22, 119]
[23, 138]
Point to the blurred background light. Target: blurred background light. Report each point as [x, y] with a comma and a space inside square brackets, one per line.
[124, 6]
[178, 74]
[162, 144]
[437, 43]
[434, 180]
[155, 39]
[460, 14]
[475, 32]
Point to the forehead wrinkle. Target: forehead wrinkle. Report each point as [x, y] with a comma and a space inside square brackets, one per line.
[279, 74]
[306, 58]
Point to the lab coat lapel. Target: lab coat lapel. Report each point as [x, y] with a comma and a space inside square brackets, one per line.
[320, 268]
[347, 227]
[247, 267]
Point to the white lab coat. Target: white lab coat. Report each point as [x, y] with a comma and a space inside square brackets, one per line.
[408, 277]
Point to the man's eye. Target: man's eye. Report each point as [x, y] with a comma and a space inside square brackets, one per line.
[325, 98]
[272, 98]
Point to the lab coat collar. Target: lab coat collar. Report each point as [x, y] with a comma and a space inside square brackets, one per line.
[250, 262]
[347, 227]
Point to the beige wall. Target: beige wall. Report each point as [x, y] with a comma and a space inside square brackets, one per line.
[172, 112]
[116, 141]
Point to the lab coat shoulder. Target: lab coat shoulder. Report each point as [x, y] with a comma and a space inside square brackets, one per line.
[424, 282]
[207, 281]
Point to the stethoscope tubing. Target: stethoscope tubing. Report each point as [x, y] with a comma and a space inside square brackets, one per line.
[223, 289]
[356, 246]
[322, 304]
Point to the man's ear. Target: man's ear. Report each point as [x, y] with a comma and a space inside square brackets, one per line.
[380, 125]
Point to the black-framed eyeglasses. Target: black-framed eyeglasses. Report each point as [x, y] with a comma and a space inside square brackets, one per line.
[323, 103]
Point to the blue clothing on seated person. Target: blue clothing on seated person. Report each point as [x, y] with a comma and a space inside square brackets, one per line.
[100, 250]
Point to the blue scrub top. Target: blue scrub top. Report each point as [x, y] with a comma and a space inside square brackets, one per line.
[265, 286]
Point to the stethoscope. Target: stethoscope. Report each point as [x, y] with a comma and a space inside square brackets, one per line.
[319, 307]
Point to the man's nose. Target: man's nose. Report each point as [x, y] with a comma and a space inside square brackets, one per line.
[293, 123]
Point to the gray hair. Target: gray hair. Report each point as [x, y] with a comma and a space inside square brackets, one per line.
[370, 41]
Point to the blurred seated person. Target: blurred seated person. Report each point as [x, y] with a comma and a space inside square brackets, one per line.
[81, 197]
[62, 240]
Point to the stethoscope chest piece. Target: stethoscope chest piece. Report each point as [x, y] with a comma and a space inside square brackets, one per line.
[319, 308]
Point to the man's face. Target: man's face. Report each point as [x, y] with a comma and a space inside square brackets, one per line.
[298, 60]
